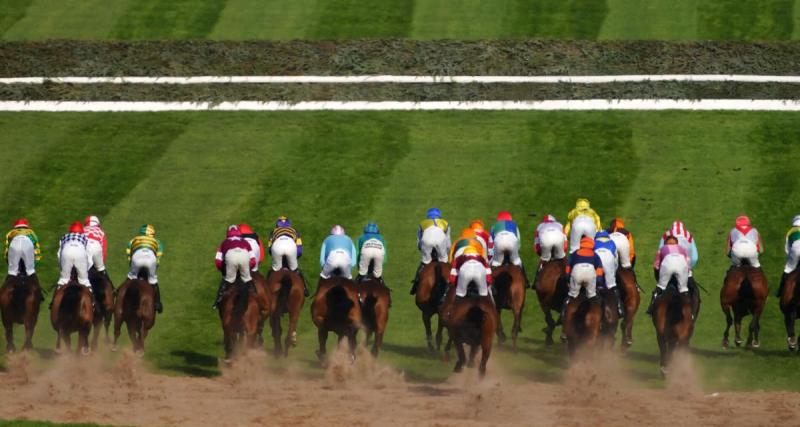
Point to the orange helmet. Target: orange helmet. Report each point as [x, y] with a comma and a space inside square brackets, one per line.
[476, 224]
[245, 229]
[467, 232]
[587, 243]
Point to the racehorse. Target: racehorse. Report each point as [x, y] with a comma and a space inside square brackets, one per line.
[375, 299]
[103, 293]
[583, 319]
[430, 291]
[135, 306]
[286, 289]
[629, 292]
[509, 282]
[240, 315]
[471, 320]
[71, 311]
[335, 308]
[744, 292]
[20, 298]
[551, 287]
[610, 320]
[263, 298]
[790, 307]
[673, 318]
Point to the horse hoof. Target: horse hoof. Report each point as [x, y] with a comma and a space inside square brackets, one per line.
[114, 348]
[58, 351]
[548, 340]
[725, 344]
[10, 351]
[663, 371]
[139, 353]
[563, 338]
[227, 361]
[738, 343]
[458, 369]
[755, 344]
[86, 351]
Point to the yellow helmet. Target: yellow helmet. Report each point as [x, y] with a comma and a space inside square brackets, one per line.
[147, 230]
[582, 204]
[471, 250]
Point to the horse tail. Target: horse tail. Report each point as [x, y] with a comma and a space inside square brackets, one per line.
[132, 299]
[70, 301]
[19, 293]
[284, 261]
[286, 287]
[240, 301]
[339, 305]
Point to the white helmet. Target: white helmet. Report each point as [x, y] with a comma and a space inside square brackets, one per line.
[91, 220]
[796, 221]
[337, 230]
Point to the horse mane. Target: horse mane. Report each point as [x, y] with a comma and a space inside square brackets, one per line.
[339, 305]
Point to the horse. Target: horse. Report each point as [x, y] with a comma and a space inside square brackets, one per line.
[551, 286]
[471, 320]
[375, 299]
[20, 298]
[431, 289]
[610, 320]
[335, 308]
[629, 292]
[240, 315]
[509, 282]
[71, 311]
[583, 321]
[673, 319]
[135, 306]
[263, 298]
[790, 307]
[286, 288]
[103, 292]
[743, 292]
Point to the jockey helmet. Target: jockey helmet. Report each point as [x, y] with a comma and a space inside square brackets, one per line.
[582, 204]
[587, 243]
[476, 224]
[21, 223]
[147, 230]
[371, 228]
[337, 230]
[76, 227]
[549, 218]
[245, 229]
[504, 216]
[602, 234]
[742, 221]
[283, 221]
[233, 231]
[471, 250]
[616, 224]
[467, 233]
[433, 213]
[678, 229]
[91, 220]
[796, 221]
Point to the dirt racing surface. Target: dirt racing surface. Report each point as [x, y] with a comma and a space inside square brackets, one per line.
[364, 393]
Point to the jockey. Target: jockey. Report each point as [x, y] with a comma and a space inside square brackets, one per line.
[22, 244]
[72, 253]
[744, 243]
[234, 257]
[433, 235]
[582, 221]
[255, 243]
[606, 249]
[585, 269]
[96, 244]
[549, 241]
[338, 253]
[285, 243]
[685, 240]
[505, 240]
[466, 239]
[792, 249]
[471, 267]
[671, 260]
[371, 249]
[483, 236]
[624, 241]
[144, 251]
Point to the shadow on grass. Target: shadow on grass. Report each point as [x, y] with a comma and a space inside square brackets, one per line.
[420, 351]
[191, 370]
[195, 358]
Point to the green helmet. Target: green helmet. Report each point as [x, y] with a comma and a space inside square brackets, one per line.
[147, 230]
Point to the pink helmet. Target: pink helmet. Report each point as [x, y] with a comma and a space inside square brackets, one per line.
[233, 231]
[337, 230]
[549, 218]
[504, 216]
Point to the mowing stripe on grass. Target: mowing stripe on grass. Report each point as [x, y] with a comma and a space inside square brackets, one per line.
[546, 105]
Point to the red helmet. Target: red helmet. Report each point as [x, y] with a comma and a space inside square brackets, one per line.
[233, 231]
[504, 216]
[549, 218]
[742, 221]
[22, 222]
[245, 229]
[76, 227]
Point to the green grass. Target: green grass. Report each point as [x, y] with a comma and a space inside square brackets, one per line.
[418, 19]
[192, 174]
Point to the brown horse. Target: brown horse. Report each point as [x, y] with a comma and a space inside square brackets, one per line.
[71, 311]
[583, 320]
[744, 292]
[335, 308]
[790, 306]
[629, 291]
[509, 281]
[263, 298]
[20, 298]
[240, 315]
[103, 293]
[551, 287]
[286, 288]
[135, 306]
[610, 320]
[431, 288]
[375, 299]
[471, 321]
[673, 319]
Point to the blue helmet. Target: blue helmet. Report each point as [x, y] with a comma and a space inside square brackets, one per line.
[371, 228]
[602, 234]
[433, 213]
[283, 222]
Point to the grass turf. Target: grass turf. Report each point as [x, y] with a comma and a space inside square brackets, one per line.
[436, 19]
[192, 174]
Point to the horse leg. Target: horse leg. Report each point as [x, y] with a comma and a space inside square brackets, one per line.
[9, 326]
[143, 330]
[426, 320]
[322, 336]
[737, 324]
[275, 325]
[486, 350]
[67, 337]
[788, 319]
[30, 325]
[133, 331]
[376, 345]
[117, 330]
[516, 328]
[755, 325]
[439, 330]
[106, 324]
[462, 356]
[229, 343]
[83, 339]
[96, 334]
[501, 335]
[352, 341]
[548, 330]
[291, 334]
[473, 350]
[729, 321]
[664, 353]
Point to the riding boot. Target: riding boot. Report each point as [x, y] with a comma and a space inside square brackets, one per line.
[656, 293]
[222, 286]
[415, 282]
[780, 286]
[615, 289]
[525, 275]
[159, 307]
[305, 282]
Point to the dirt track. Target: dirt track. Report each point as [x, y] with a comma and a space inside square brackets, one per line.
[365, 393]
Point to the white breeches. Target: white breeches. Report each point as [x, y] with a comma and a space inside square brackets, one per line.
[581, 226]
[674, 265]
[551, 243]
[791, 258]
[237, 260]
[623, 249]
[95, 252]
[744, 249]
[472, 272]
[434, 238]
[74, 255]
[21, 248]
[372, 251]
[583, 275]
[337, 259]
[506, 242]
[144, 258]
[284, 246]
[609, 261]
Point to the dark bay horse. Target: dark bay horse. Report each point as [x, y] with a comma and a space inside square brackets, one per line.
[673, 318]
[135, 306]
[375, 299]
[471, 321]
[790, 306]
[20, 298]
[103, 293]
[286, 289]
[335, 308]
[509, 281]
[431, 289]
[240, 315]
[72, 311]
[583, 320]
[629, 291]
[744, 292]
[551, 286]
